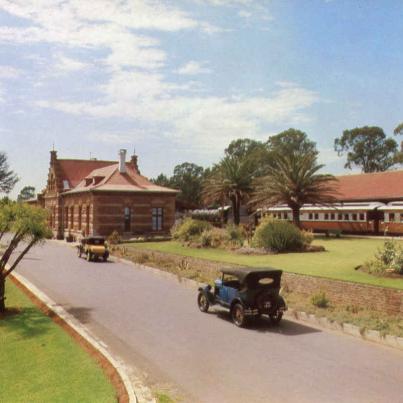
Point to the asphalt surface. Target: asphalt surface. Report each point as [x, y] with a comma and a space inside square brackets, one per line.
[153, 323]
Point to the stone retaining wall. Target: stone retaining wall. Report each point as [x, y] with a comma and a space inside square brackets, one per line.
[346, 293]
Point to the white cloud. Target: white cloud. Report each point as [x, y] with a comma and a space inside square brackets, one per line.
[68, 64]
[9, 72]
[112, 138]
[193, 67]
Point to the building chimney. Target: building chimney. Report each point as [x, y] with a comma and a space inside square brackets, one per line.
[122, 161]
[134, 163]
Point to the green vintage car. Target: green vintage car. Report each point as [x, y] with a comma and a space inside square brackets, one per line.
[93, 248]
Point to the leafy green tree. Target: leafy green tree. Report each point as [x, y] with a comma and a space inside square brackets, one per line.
[188, 178]
[8, 178]
[291, 141]
[368, 148]
[256, 151]
[230, 180]
[293, 179]
[28, 226]
[398, 129]
[27, 192]
[162, 180]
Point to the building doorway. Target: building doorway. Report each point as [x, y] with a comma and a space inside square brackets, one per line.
[127, 219]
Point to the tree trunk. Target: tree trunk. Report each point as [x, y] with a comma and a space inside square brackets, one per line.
[235, 210]
[2, 293]
[295, 216]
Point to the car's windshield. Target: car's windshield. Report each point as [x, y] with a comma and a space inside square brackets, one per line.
[96, 241]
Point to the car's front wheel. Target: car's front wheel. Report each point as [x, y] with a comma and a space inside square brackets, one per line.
[275, 318]
[238, 315]
[202, 302]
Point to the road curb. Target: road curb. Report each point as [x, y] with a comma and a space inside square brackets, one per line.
[136, 391]
[347, 328]
[300, 316]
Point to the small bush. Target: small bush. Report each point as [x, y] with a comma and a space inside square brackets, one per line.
[389, 258]
[205, 238]
[320, 300]
[308, 237]
[190, 229]
[278, 236]
[236, 234]
[114, 238]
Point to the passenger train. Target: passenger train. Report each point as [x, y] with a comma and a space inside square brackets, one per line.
[355, 218]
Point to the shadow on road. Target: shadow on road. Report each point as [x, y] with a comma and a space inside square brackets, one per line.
[263, 325]
[82, 314]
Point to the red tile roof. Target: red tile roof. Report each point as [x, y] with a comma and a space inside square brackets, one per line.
[112, 180]
[75, 170]
[372, 186]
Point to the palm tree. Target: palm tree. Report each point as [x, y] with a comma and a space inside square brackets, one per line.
[230, 180]
[293, 179]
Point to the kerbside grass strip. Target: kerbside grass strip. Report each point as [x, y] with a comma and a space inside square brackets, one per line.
[42, 363]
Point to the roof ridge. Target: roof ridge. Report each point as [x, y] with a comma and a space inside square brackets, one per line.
[370, 173]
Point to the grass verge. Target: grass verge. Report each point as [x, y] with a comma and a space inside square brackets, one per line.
[41, 363]
[339, 261]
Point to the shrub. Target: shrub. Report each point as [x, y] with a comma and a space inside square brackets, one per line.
[308, 237]
[320, 300]
[114, 238]
[387, 259]
[190, 229]
[205, 238]
[278, 236]
[236, 234]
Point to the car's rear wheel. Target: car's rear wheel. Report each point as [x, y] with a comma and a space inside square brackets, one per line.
[238, 315]
[202, 302]
[275, 318]
[105, 258]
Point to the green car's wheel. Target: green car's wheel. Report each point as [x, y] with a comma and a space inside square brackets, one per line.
[276, 317]
[238, 315]
[202, 302]
[89, 256]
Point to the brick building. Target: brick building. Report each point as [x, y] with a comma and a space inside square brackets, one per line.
[97, 197]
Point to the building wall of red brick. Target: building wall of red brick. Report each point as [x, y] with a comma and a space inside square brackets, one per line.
[106, 213]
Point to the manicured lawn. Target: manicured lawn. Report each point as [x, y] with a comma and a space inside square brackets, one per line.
[41, 363]
[338, 262]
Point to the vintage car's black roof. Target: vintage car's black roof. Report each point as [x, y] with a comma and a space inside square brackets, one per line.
[243, 272]
[95, 237]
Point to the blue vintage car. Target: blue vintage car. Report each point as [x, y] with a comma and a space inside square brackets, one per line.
[247, 293]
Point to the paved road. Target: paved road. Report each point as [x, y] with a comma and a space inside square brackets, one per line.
[153, 323]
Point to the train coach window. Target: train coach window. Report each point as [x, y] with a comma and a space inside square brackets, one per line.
[362, 217]
[310, 216]
[354, 217]
[401, 217]
[285, 216]
[346, 217]
[332, 216]
[339, 216]
[316, 216]
[326, 216]
[391, 217]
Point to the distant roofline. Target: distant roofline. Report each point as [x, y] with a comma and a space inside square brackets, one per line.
[368, 173]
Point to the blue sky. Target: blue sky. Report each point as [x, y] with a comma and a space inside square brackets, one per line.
[178, 80]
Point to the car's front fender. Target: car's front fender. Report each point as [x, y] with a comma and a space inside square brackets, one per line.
[207, 292]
